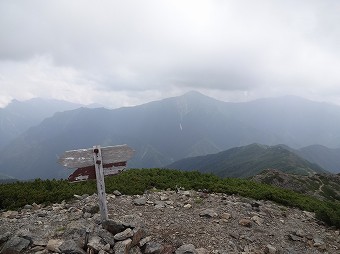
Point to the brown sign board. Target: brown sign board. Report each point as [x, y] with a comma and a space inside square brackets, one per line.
[87, 173]
[84, 157]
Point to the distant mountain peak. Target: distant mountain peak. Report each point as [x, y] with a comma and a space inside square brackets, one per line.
[193, 93]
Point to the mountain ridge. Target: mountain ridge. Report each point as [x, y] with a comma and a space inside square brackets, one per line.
[19, 116]
[248, 161]
[161, 132]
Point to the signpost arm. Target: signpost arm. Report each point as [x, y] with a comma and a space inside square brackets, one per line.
[98, 162]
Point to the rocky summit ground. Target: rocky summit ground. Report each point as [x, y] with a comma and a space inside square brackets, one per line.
[165, 222]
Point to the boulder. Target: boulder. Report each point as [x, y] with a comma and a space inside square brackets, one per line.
[245, 223]
[107, 237]
[122, 247]
[15, 245]
[123, 235]
[153, 248]
[10, 214]
[135, 250]
[70, 246]
[186, 249]
[270, 249]
[28, 207]
[4, 237]
[208, 213]
[114, 227]
[132, 221]
[145, 240]
[53, 245]
[138, 234]
[140, 201]
[117, 193]
[96, 243]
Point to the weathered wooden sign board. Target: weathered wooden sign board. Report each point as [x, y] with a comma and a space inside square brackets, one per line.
[84, 157]
[95, 163]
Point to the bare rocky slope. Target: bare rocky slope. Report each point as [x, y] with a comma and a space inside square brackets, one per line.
[165, 222]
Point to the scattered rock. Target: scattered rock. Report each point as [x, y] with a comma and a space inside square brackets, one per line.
[164, 198]
[135, 250]
[153, 248]
[209, 213]
[259, 221]
[117, 193]
[168, 249]
[54, 244]
[294, 237]
[186, 249]
[123, 235]
[146, 230]
[234, 235]
[318, 241]
[187, 206]
[202, 251]
[96, 243]
[42, 214]
[78, 197]
[4, 237]
[70, 246]
[270, 249]
[185, 193]
[91, 209]
[132, 221]
[15, 245]
[107, 237]
[138, 234]
[225, 216]
[36, 206]
[145, 240]
[114, 227]
[103, 252]
[139, 201]
[10, 214]
[28, 207]
[245, 223]
[300, 233]
[159, 204]
[122, 247]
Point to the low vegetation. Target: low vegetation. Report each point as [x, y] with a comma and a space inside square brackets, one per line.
[136, 181]
[321, 186]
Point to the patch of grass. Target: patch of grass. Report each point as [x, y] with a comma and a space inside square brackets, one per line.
[61, 229]
[198, 200]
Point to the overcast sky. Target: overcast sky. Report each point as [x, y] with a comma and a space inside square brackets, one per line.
[120, 53]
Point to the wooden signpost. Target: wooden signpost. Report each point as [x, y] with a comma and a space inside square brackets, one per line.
[95, 163]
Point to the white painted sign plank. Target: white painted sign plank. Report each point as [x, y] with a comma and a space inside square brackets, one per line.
[84, 157]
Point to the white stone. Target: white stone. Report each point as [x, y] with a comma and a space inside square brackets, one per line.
[54, 244]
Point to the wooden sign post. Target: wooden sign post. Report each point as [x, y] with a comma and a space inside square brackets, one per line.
[97, 158]
[95, 163]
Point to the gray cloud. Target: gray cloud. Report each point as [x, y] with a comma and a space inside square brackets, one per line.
[137, 51]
